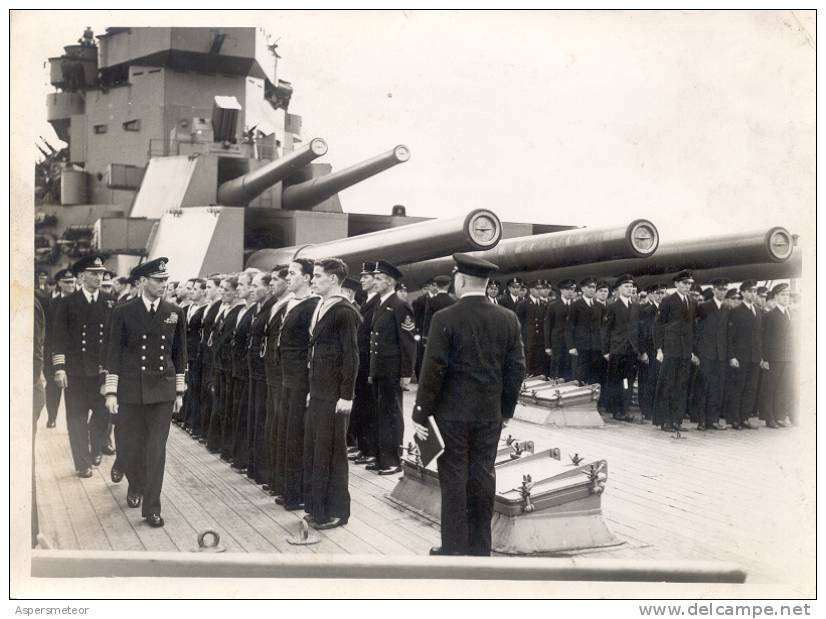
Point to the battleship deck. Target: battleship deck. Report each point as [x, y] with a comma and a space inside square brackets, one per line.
[731, 496]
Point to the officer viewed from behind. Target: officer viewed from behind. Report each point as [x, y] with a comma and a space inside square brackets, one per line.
[472, 372]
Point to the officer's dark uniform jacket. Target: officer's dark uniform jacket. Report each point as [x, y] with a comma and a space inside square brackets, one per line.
[778, 337]
[368, 310]
[643, 318]
[616, 333]
[392, 343]
[474, 366]
[597, 317]
[674, 329]
[579, 332]
[146, 355]
[294, 342]
[556, 320]
[744, 334]
[437, 302]
[255, 346]
[78, 334]
[334, 353]
[711, 331]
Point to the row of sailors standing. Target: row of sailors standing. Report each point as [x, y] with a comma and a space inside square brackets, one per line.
[716, 354]
[260, 367]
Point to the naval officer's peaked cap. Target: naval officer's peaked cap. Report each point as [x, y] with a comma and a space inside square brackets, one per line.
[473, 266]
[153, 268]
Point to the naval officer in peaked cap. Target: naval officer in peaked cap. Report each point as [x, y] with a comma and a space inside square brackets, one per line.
[76, 345]
[145, 359]
[471, 376]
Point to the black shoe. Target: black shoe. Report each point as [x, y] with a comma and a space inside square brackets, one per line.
[294, 507]
[390, 470]
[782, 424]
[154, 520]
[107, 451]
[748, 426]
[133, 500]
[736, 426]
[279, 500]
[437, 551]
[97, 460]
[373, 467]
[195, 437]
[355, 455]
[85, 473]
[266, 488]
[51, 423]
[116, 474]
[770, 424]
[332, 523]
[365, 460]
[717, 426]
[666, 428]
[701, 427]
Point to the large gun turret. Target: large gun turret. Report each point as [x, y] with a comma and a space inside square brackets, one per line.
[541, 251]
[479, 229]
[242, 190]
[303, 196]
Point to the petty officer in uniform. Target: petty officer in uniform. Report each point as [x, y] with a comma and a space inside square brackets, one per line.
[146, 359]
[392, 355]
[77, 343]
[472, 373]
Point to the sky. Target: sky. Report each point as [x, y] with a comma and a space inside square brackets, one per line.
[703, 122]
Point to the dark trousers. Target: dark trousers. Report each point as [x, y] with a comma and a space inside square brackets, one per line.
[584, 366]
[206, 400]
[326, 472]
[52, 397]
[143, 429]
[216, 417]
[228, 425]
[192, 397]
[259, 452]
[87, 435]
[647, 384]
[709, 385]
[741, 390]
[362, 419]
[622, 370]
[601, 376]
[560, 363]
[672, 391]
[468, 483]
[273, 407]
[781, 396]
[294, 405]
[387, 396]
[240, 429]
[535, 358]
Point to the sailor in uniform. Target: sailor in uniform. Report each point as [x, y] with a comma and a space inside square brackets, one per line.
[333, 365]
[146, 360]
[77, 357]
[779, 353]
[472, 373]
[392, 355]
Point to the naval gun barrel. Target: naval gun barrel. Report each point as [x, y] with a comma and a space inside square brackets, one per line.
[303, 196]
[242, 190]
[479, 229]
[764, 246]
[542, 251]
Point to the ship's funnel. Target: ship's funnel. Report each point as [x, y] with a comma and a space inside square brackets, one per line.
[242, 190]
[307, 194]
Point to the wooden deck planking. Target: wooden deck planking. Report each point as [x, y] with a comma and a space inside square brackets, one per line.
[701, 497]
